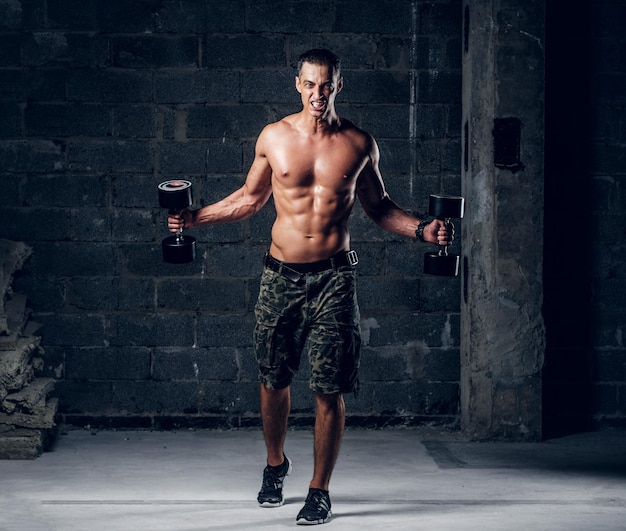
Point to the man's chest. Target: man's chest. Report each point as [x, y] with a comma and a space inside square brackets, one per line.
[326, 163]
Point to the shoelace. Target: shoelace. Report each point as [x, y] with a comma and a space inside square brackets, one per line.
[317, 502]
[273, 479]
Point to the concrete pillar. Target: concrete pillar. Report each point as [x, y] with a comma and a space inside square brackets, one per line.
[502, 331]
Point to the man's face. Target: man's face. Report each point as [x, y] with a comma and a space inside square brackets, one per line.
[318, 85]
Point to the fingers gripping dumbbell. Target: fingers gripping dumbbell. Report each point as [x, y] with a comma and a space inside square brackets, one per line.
[176, 195]
[444, 207]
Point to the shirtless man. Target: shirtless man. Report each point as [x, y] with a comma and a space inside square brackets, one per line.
[315, 163]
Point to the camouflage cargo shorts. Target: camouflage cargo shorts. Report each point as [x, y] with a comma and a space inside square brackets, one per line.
[320, 313]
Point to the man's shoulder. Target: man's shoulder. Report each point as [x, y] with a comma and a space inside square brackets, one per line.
[355, 133]
[279, 127]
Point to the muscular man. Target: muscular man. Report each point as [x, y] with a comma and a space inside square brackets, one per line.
[315, 164]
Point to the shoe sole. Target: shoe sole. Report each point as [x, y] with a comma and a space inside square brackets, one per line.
[270, 505]
[303, 521]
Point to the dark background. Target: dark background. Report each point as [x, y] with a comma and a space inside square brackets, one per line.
[102, 100]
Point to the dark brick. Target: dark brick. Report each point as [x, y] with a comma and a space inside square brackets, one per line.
[215, 121]
[156, 397]
[59, 120]
[90, 225]
[135, 191]
[106, 86]
[44, 294]
[84, 397]
[179, 17]
[423, 399]
[224, 331]
[356, 51]
[383, 364]
[311, 16]
[231, 398]
[146, 260]
[401, 294]
[451, 158]
[443, 365]
[200, 86]
[440, 18]
[226, 17]
[64, 190]
[430, 156]
[11, 117]
[376, 87]
[243, 51]
[195, 364]
[35, 156]
[60, 49]
[9, 50]
[211, 295]
[35, 224]
[124, 363]
[132, 225]
[152, 329]
[246, 365]
[120, 16]
[386, 121]
[71, 329]
[235, 261]
[430, 121]
[439, 86]
[69, 259]
[440, 294]
[154, 51]
[92, 294]
[136, 294]
[210, 156]
[393, 329]
[396, 158]
[10, 16]
[277, 86]
[134, 121]
[72, 14]
[384, 16]
[119, 156]
[39, 85]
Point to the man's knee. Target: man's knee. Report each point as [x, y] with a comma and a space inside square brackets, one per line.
[329, 401]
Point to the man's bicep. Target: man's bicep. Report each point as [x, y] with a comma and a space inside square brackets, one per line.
[371, 189]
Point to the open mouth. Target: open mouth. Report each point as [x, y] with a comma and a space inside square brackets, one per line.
[318, 105]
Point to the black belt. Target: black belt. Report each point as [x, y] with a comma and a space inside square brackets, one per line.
[295, 272]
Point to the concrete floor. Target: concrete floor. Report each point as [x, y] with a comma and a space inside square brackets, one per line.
[399, 479]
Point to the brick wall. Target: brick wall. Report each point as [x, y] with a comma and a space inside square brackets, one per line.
[100, 101]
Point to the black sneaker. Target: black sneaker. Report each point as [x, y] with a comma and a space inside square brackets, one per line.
[271, 493]
[316, 508]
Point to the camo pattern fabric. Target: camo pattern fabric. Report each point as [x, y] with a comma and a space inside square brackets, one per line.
[319, 312]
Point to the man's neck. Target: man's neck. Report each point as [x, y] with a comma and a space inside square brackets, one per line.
[311, 125]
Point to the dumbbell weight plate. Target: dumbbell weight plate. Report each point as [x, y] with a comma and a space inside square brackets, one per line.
[441, 265]
[175, 194]
[179, 250]
[446, 206]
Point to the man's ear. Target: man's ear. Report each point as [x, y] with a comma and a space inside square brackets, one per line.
[339, 84]
[298, 85]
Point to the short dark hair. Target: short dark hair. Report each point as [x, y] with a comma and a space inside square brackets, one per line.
[320, 56]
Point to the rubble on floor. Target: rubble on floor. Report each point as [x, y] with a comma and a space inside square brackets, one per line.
[27, 413]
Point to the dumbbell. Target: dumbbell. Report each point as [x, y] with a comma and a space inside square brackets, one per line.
[444, 207]
[176, 195]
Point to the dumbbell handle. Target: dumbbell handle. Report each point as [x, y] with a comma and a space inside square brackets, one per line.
[179, 233]
[443, 249]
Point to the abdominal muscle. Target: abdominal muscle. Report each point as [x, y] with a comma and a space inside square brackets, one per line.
[309, 228]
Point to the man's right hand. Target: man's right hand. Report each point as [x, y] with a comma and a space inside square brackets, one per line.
[178, 221]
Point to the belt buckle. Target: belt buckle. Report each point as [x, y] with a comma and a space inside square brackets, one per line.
[352, 257]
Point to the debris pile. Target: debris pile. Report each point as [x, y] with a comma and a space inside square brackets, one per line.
[26, 411]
